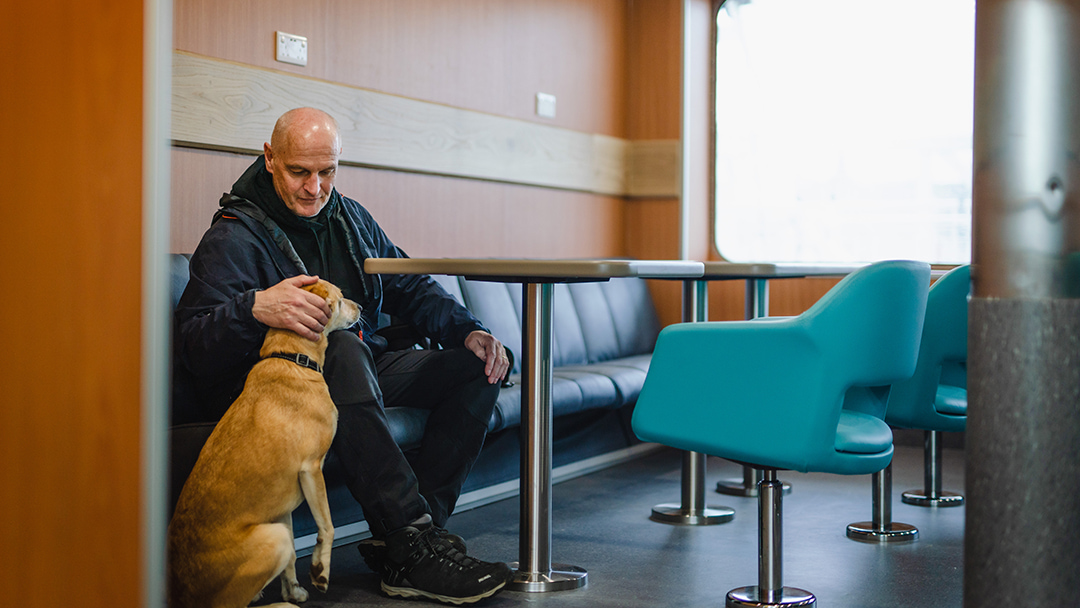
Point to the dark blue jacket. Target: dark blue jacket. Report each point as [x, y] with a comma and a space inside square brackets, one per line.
[216, 337]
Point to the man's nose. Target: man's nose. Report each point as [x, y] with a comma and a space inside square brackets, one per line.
[311, 184]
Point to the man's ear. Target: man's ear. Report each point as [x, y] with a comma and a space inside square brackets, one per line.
[268, 154]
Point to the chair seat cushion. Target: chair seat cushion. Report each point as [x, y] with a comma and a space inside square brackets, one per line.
[951, 400]
[860, 433]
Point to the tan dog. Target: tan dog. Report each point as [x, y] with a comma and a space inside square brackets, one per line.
[232, 533]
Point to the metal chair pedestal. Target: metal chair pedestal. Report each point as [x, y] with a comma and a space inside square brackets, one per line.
[882, 529]
[770, 590]
[692, 511]
[931, 495]
[747, 486]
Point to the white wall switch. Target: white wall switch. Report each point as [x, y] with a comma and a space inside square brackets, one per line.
[545, 105]
[291, 48]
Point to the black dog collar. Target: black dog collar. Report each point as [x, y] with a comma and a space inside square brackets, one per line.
[299, 359]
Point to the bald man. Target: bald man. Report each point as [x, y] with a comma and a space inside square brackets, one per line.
[282, 227]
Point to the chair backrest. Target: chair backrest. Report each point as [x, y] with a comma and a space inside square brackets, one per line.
[849, 318]
[942, 358]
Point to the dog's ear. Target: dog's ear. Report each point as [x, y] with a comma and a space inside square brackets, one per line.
[320, 288]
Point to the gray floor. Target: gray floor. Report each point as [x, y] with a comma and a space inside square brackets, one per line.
[600, 523]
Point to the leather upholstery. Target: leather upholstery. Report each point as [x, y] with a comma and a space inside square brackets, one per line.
[935, 398]
[602, 339]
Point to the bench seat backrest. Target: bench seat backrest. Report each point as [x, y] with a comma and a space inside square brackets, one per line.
[592, 322]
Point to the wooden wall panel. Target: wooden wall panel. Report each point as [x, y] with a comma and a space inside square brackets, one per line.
[655, 52]
[652, 168]
[426, 215]
[486, 55]
[652, 232]
[653, 107]
[199, 178]
[787, 297]
[432, 216]
[226, 105]
[482, 55]
[70, 318]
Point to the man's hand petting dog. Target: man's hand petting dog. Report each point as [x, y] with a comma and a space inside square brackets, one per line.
[288, 305]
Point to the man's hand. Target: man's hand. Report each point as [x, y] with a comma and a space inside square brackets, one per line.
[488, 348]
[287, 306]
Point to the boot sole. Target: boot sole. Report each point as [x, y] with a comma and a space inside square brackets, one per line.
[413, 593]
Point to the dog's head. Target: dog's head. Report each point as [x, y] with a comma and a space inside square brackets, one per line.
[343, 311]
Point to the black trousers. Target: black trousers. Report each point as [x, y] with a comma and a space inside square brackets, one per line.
[450, 383]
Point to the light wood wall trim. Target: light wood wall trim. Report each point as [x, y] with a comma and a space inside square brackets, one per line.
[223, 105]
[653, 168]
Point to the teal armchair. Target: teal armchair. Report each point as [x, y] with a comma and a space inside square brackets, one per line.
[816, 387]
[934, 399]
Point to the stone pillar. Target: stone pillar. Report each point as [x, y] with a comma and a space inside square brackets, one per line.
[1022, 535]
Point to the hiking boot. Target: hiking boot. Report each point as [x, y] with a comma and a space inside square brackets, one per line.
[425, 564]
[373, 550]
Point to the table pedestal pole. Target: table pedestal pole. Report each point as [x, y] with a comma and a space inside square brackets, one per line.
[534, 570]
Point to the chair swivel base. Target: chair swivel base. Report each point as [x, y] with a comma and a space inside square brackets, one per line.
[672, 513]
[889, 533]
[922, 498]
[561, 577]
[751, 597]
[738, 487]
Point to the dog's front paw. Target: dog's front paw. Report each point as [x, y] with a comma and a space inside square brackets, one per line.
[320, 576]
[291, 591]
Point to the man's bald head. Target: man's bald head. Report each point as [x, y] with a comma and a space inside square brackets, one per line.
[302, 157]
[300, 124]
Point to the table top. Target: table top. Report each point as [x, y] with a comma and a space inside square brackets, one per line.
[522, 270]
[779, 270]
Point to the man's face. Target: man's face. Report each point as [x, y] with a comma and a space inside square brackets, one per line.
[304, 169]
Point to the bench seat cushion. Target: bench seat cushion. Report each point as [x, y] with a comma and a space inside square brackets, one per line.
[626, 374]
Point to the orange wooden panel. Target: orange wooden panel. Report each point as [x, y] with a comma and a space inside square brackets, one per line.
[70, 318]
[652, 232]
[199, 178]
[424, 214]
[486, 55]
[787, 297]
[655, 39]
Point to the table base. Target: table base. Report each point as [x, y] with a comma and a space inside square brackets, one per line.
[866, 531]
[753, 597]
[922, 499]
[672, 513]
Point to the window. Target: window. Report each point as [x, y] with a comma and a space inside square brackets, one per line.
[843, 130]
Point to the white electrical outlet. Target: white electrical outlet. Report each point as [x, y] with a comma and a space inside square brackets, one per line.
[291, 48]
[545, 105]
